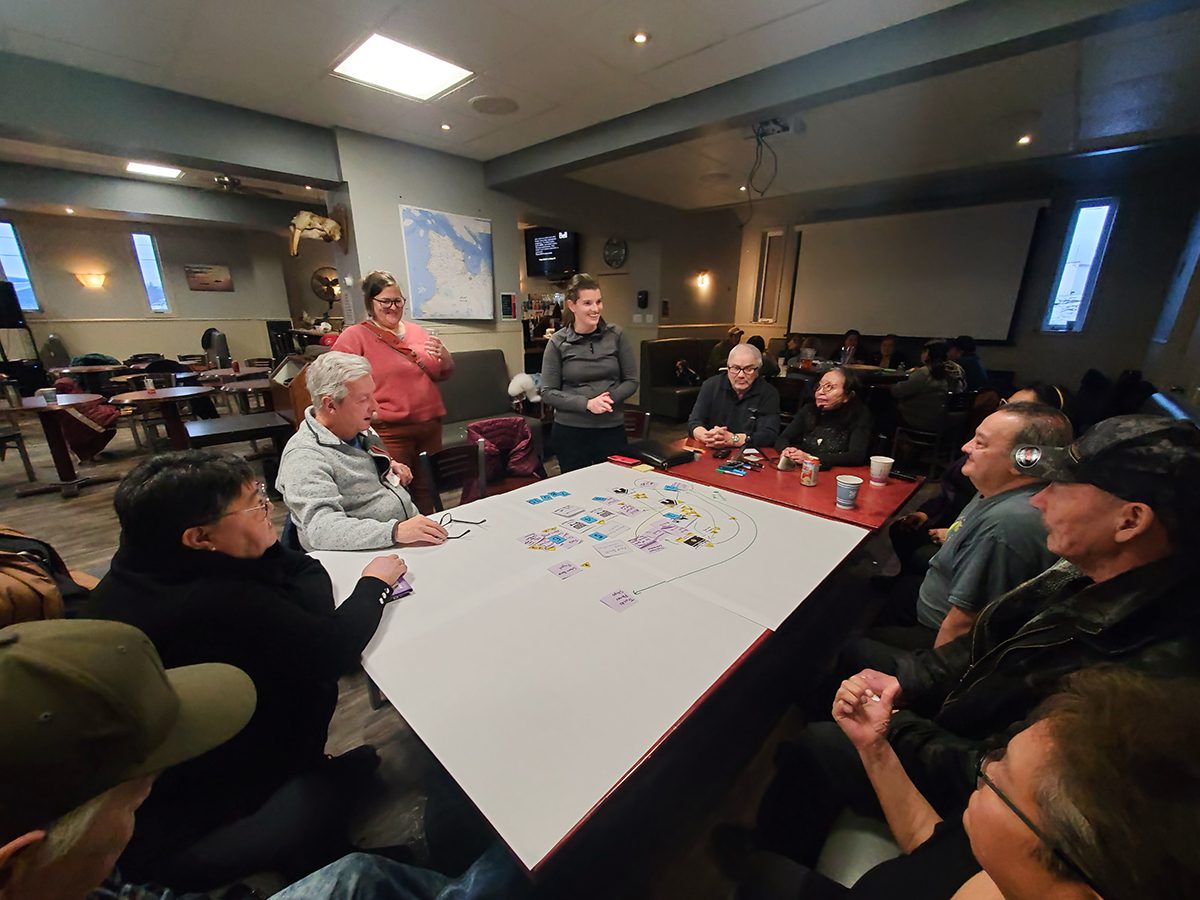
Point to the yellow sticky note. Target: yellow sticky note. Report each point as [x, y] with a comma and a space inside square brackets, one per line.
[643, 468]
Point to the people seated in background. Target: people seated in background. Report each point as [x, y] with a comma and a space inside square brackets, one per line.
[1118, 508]
[849, 354]
[685, 375]
[736, 408]
[790, 354]
[343, 490]
[1045, 811]
[70, 792]
[720, 353]
[997, 542]
[921, 398]
[770, 368]
[89, 427]
[200, 571]
[887, 357]
[962, 350]
[835, 427]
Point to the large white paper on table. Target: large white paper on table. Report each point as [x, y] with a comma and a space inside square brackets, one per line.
[541, 677]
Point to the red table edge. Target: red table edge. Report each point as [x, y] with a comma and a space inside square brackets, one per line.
[721, 679]
[915, 485]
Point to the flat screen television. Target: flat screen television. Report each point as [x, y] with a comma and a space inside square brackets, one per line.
[551, 253]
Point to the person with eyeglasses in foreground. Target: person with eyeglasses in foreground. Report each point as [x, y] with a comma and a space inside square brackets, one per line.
[201, 572]
[1095, 797]
[342, 489]
[91, 720]
[736, 408]
[407, 362]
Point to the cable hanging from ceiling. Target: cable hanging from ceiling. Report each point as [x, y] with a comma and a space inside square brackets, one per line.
[761, 147]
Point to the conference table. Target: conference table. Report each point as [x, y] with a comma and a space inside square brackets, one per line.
[571, 626]
[875, 503]
[167, 400]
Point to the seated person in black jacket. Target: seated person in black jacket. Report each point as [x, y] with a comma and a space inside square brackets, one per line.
[1046, 811]
[1118, 509]
[736, 408]
[835, 427]
[887, 357]
[201, 572]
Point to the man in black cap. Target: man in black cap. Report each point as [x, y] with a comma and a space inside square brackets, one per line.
[1116, 509]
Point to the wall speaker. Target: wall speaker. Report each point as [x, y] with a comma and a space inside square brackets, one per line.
[643, 299]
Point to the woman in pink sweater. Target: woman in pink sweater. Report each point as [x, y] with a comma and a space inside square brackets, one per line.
[406, 361]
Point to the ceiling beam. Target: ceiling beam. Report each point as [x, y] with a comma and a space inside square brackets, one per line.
[25, 187]
[956, 38]
[48, 103]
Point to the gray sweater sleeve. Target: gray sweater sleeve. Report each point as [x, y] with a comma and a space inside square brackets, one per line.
[551, 384]
[315, 503]
[629, 382]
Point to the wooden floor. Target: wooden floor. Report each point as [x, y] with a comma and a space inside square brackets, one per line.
[85, 532]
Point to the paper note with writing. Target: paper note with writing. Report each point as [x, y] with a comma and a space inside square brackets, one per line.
[618, 600]
[565, 570]
[613, 548]
[568, 511]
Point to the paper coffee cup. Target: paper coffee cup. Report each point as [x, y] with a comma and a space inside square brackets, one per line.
[881, 468]
[847, 490]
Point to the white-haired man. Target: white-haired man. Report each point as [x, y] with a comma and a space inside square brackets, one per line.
[342, 489]
[736, 408]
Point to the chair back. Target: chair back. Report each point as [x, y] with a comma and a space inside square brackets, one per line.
[142, 357]
[453, 467]
[192, 358]
[637, 425]
[258, 362]
[290, 537]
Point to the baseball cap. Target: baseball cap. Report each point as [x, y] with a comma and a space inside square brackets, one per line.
[1143, 459]
[88, 705]
[734, 330]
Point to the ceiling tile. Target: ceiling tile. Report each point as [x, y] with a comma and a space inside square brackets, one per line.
[144, 31]
[57, 51]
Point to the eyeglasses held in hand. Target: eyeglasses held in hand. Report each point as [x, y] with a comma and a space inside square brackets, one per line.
[447, 519]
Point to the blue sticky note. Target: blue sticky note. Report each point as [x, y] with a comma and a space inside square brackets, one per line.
[534, 501]
[670, 487]
[588, 519]
[597, 536]
[557, 539]
[673, 515]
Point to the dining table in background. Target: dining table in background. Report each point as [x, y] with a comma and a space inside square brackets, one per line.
[167, 400]
[50, 416]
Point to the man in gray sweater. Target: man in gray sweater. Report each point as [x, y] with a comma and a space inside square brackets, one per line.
[342, 489]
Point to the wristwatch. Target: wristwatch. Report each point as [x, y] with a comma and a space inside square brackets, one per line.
[740, 439]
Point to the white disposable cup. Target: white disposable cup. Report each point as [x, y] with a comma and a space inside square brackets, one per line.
[881, 468]
[847, 490]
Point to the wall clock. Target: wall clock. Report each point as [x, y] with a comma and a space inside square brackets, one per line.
[616, 251]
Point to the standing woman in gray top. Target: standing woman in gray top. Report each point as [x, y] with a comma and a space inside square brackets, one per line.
[588, 372]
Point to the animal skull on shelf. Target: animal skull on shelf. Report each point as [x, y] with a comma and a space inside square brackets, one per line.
[309, 225]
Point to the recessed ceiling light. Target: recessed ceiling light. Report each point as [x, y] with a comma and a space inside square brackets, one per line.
[742, 188]
[70, 212]
[383, 63]
[445, 126]
[308, 187]
[140, 168]
[640, 37]
[1025, 140]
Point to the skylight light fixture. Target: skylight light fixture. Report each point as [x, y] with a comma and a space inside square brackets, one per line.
[391, 66]
[141, 168]
[445, 126]
[640, 37]
[1025, 140]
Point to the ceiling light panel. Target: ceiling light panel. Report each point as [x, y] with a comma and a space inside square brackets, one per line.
[391, 66]
[141, 168]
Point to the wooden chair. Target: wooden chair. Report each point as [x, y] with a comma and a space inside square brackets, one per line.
[637, 425]
[10, 436]
[452, 467]
[259, 362]
[939, 447]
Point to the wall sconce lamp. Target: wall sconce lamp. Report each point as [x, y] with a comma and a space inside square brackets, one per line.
[703, 279]
[91, 279]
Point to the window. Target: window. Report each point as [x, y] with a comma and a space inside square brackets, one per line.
[12, 265]
[770, 276]
[1087, 237]
[1179, 285]
[147, 257]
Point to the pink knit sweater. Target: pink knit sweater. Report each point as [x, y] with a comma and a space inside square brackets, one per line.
[406, 394]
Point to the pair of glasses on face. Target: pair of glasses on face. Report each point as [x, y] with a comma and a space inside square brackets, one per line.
[982, 777]
[263, 504]
[390, 304]
[826, 388]
[447, 519]
[743, 370]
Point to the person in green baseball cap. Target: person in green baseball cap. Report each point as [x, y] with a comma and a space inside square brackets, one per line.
[90, 718]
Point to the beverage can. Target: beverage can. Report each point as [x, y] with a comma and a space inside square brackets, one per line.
[808, 471]
[236, 366]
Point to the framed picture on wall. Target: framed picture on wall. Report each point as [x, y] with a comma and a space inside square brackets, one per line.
[449, 260]
[508, 306]
[203, 277]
